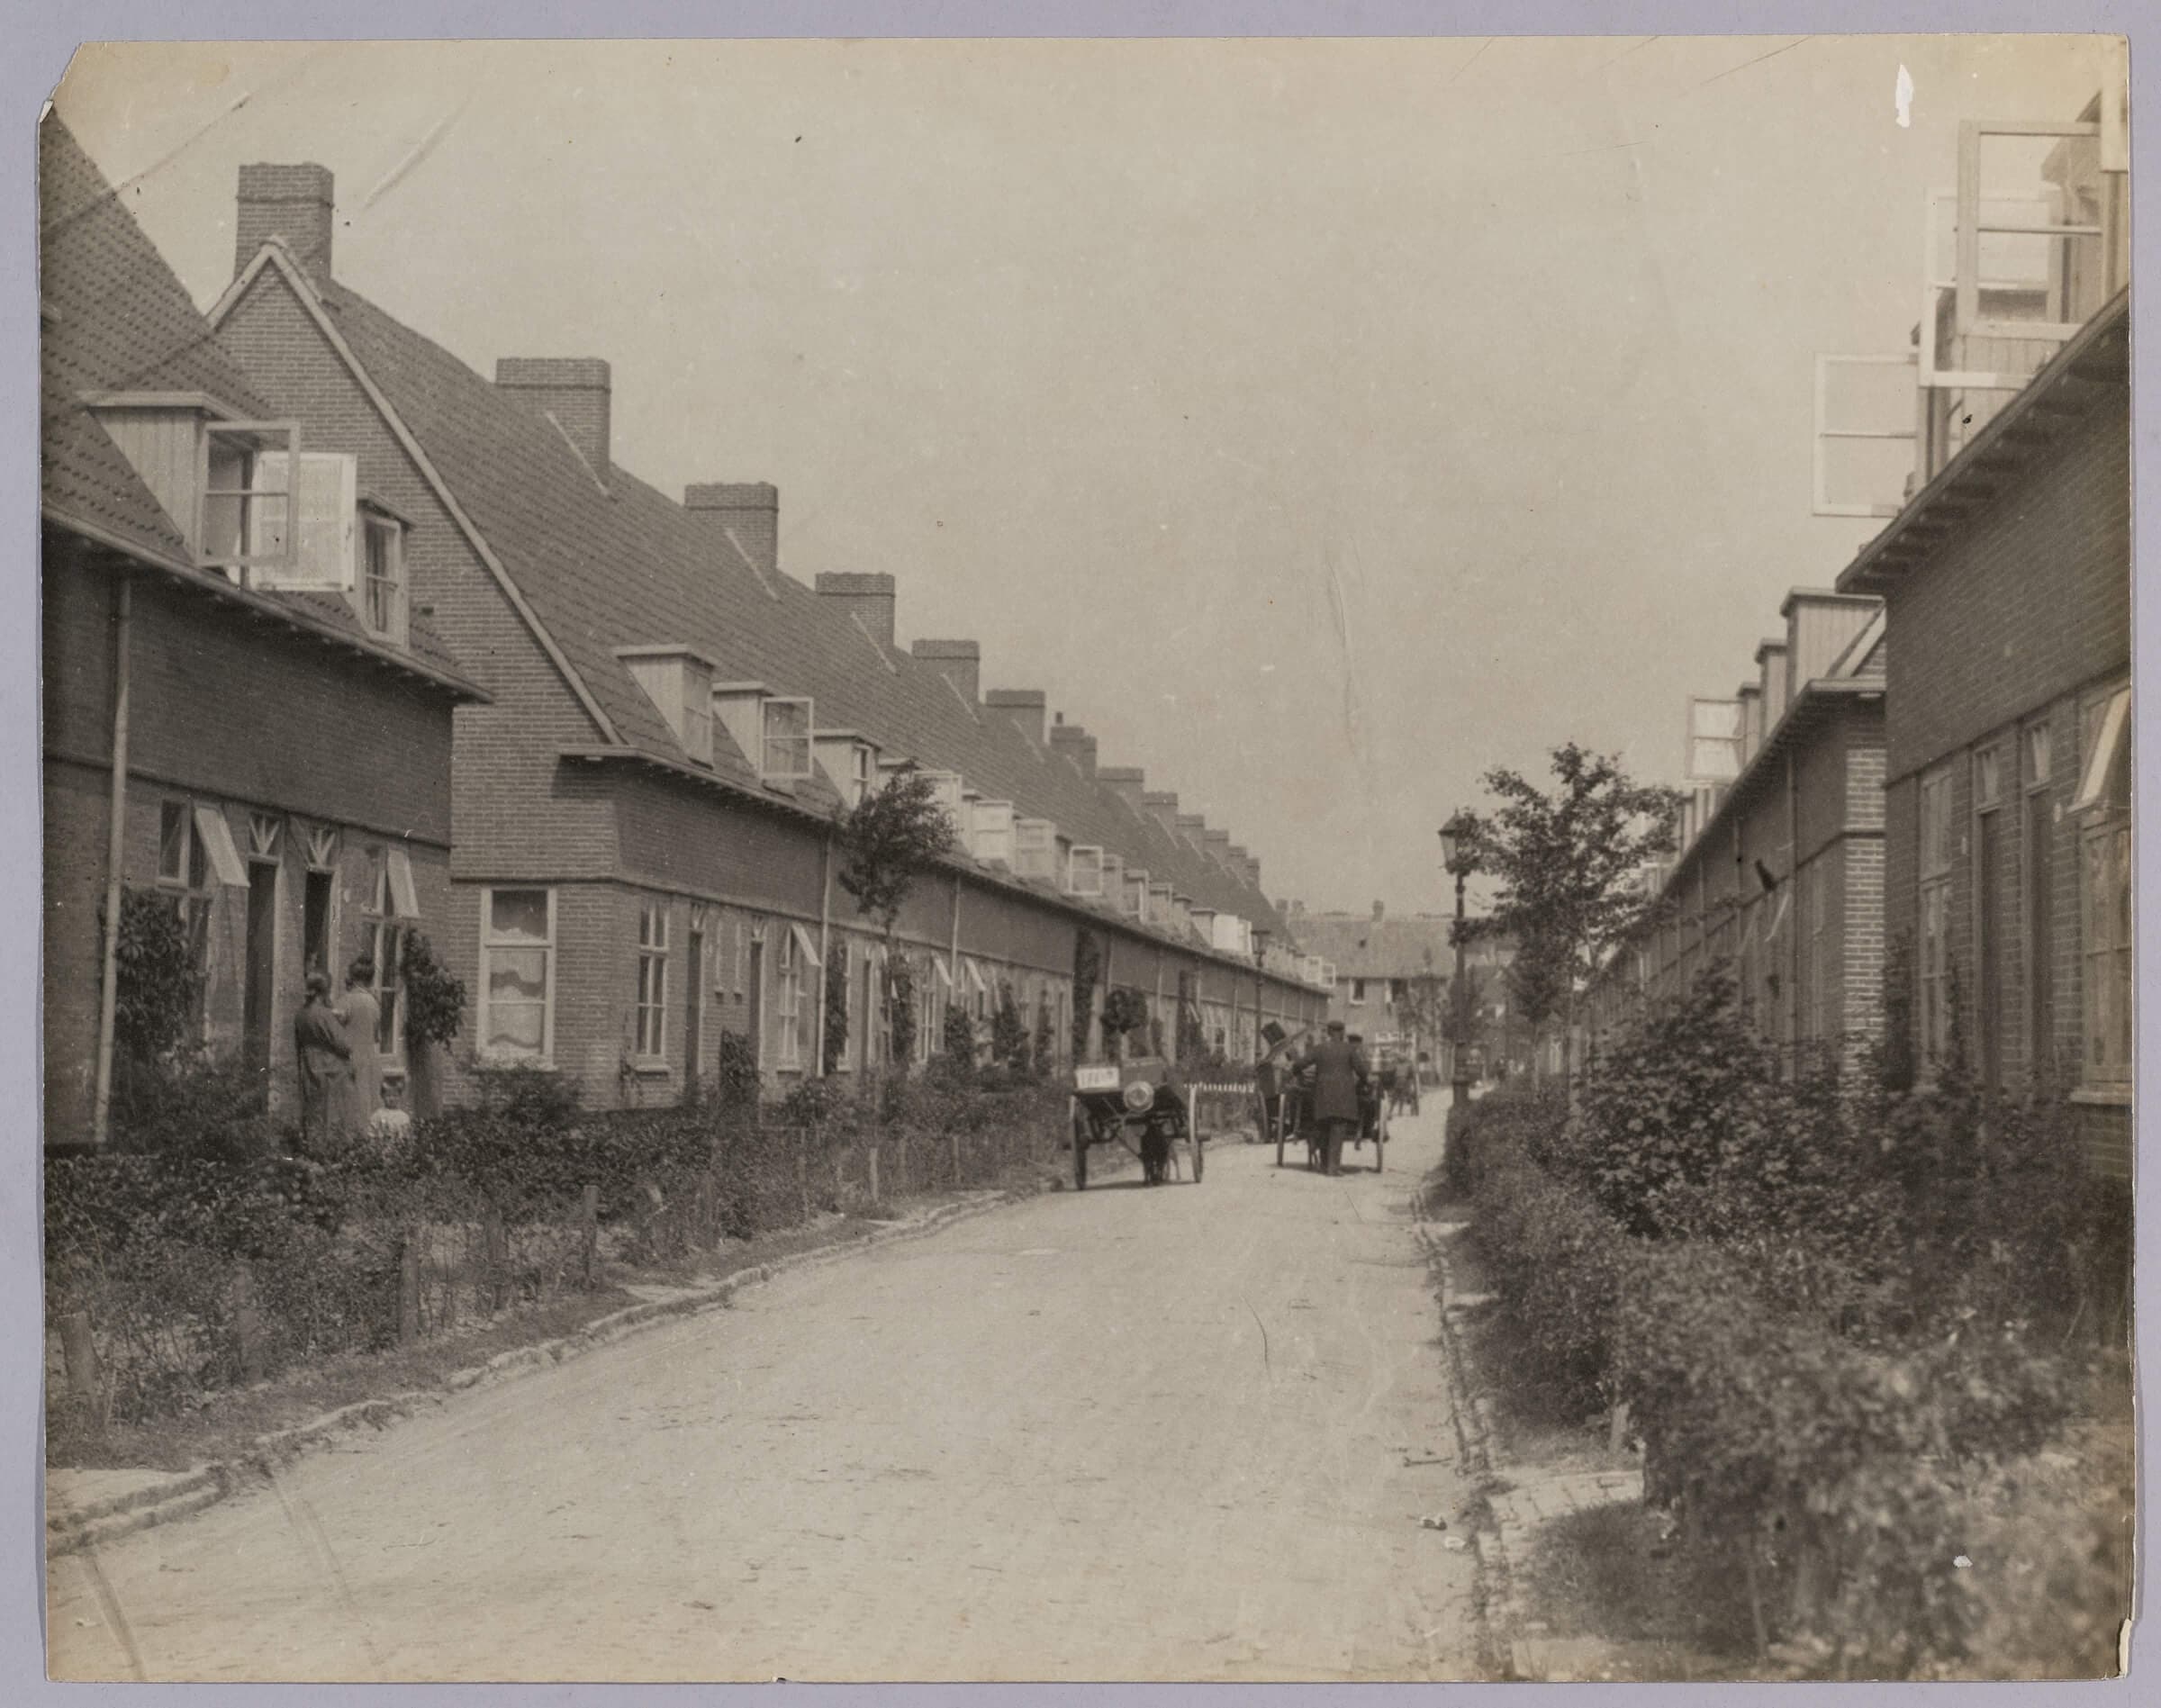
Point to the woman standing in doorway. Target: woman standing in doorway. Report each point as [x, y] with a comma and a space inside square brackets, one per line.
[363, 1016]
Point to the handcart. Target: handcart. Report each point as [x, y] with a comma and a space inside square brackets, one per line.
[1114, 1103]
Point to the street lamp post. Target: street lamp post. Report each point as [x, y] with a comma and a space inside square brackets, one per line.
[1456, 857]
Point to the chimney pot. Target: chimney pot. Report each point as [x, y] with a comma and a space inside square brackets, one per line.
[290, 204]
[867, 596]
[574, 390]
[1128, 782]
[960, 662]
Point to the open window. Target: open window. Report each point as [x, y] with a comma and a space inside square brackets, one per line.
[245, 517]
[1865, 427]
[787, 743]
[1036, 848]
[382, 575]
[2007, 228]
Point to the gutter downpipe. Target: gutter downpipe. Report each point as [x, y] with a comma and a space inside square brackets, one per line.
[108, 994]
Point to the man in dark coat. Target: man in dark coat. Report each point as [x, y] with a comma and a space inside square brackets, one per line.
[319, 1042]
[1268, 1081]
[1338, 1070]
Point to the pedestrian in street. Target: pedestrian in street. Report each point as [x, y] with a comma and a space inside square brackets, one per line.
[318, 1043]
[1268, 1082]
[362, 1017]
[1339, 1073]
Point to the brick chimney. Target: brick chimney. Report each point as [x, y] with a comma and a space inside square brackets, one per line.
[1077, 745]
[1163, 804]
[960, 662]
[1192, 827]
[1380, 912]
[1023, 707]
[1129, 783]
[1217, 845]
[865, 596]
[750, 510]
[293, 204]
[573, 389]
[1253, 876]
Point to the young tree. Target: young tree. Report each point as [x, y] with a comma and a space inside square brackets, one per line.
[888, 839]
[1566, 861]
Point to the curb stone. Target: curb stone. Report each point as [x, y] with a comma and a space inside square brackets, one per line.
[1500, 1600]
[116, 1516]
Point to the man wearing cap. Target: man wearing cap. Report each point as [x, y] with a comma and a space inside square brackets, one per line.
[1338, 1070]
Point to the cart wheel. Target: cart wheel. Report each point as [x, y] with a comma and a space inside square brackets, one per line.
[1080, 1155]
[1282, 1130]
[1380, 1143]
[1195, 1141]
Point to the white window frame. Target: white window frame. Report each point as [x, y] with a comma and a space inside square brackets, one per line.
[649, 1011]
[1357, 997]
[387, 918]
[488, 1052]
[1972, 227]
[788, 975]
[1821, 501]
[1036, 848]
[388, 589]
[242, 564]
[993, 828]
[797, 771]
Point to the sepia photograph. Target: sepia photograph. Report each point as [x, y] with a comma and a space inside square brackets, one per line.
[1252, 860]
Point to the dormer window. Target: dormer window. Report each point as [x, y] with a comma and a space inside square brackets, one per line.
[946, 790]
[850, 763]
[786, 741]
[245, 519]
[679, 682]
[993, 840]
[1134, 901]
[1114, 876]
[1088, 870]
[1159, 905]
[773, 731]
[1036, 848]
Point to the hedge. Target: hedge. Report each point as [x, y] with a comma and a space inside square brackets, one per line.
[197, 1274]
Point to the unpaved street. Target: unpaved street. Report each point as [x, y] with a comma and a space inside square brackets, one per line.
[1127, 1433]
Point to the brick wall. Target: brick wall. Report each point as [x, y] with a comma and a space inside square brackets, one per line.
[243, 715]
[2027, 600]
[2019, 618]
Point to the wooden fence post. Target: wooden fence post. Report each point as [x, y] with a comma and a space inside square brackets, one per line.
[409, 1291]
[956, 1157]
[495, 1257]
[873, 1173]
[248, 1326]
[589, 1235]
[802, 1168]
[78, 1350]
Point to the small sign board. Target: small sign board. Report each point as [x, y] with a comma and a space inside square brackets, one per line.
[1104, 1078]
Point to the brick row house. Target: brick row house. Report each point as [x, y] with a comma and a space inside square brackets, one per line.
[643, 848]
[266, 752]
[1778, 875]
[1963, 786]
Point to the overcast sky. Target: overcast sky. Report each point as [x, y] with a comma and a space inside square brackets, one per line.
[1319, 423]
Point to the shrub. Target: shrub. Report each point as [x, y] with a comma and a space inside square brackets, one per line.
[1009, 1032]
[1555, 1259]
[196, 1105]
[900, 1006]
[1834, 1470]
[959, 1051]
[435, 1001]
[154, 990]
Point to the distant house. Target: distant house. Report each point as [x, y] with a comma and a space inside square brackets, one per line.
[241, 716]
[1778, 877]
[646, 855]
[1393, 979]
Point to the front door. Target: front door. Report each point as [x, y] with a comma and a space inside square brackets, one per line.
[315, 924]
[259, 993]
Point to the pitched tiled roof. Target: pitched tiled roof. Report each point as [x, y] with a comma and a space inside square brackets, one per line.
[116, 318]
[1363, 947]
[622, 565]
